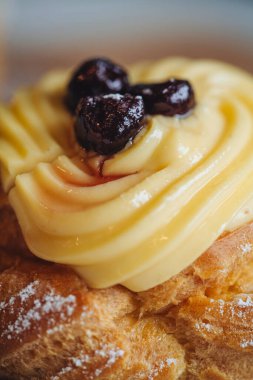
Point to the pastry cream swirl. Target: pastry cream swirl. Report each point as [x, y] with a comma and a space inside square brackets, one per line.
[159, 204]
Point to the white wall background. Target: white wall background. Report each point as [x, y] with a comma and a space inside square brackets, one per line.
[38, 35]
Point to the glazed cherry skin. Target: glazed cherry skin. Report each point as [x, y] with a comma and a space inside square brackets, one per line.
[106, 123]
[95, 77]
[109, 112]
[170, 98]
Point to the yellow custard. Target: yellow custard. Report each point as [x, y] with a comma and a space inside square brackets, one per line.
[161, 201]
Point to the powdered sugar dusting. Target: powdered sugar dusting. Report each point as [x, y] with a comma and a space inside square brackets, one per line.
[113, 355]
[55, 329]
[233, 322]
[106, 352]
[239, 307]
[204, 326]
[158, 369]
[171, 361]
[248, 302]
[31, 310]
[23, 295]
[161, 366]
[86, 313]
[246, 343]
[62, 372]
[28, 291]
[246, 248]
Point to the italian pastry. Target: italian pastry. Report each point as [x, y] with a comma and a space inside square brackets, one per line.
[126, 232]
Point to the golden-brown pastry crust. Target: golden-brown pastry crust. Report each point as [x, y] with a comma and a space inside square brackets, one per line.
[212, 273]
[197, 325]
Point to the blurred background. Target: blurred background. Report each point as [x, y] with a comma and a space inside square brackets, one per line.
[38, 35]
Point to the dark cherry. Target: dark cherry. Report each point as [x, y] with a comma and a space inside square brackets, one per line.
[96, 77]
[106, 123]
[174, 97]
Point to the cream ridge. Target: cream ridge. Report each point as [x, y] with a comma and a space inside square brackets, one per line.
[146, 213]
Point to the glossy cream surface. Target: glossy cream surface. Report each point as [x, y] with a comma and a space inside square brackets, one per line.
[146, 213]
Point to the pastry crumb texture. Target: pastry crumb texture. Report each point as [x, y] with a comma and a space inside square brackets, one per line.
[197, 325]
